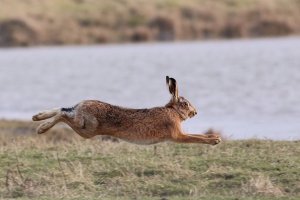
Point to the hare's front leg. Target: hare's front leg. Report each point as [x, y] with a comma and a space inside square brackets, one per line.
[213, 138]
[204, 139]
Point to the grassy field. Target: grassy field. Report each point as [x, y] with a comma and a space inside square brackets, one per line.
[60, 165]
[35, 22]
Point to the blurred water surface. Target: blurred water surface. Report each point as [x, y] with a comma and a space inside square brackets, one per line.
[244, 88]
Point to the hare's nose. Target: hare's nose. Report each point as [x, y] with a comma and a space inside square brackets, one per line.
[195, 112]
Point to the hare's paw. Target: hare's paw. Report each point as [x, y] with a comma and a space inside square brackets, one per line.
[44, 127]
[37, 117]
[214, 139]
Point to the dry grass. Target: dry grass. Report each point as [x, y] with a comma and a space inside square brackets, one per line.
[35, 22]
[60, 165]
[261, 184]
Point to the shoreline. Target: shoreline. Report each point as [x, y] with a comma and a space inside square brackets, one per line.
[151, 43]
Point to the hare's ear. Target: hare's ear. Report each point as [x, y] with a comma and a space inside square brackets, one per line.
[171, 83]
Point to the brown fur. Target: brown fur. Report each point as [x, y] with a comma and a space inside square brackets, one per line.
[142, 126]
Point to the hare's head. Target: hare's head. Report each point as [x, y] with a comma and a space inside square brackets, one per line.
[182, 106]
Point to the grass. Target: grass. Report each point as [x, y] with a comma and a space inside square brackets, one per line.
[60, 165]
[35, 22]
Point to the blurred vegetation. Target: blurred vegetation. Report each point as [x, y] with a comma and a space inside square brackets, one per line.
[60, 165]
[54, 22]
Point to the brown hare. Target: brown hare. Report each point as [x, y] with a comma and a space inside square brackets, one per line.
[141, 126]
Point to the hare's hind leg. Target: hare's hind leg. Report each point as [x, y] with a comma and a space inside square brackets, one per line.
[49, 124]
[45, 115]
[59, 115]
[84, 127]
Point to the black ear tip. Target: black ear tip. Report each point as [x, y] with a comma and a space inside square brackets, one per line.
[170, 80]
[173, 80]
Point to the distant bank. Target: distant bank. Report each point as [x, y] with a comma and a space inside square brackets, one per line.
[54, 22]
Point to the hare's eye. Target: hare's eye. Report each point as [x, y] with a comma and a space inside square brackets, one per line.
[185, 104]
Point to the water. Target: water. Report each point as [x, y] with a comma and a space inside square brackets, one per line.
[244, 88]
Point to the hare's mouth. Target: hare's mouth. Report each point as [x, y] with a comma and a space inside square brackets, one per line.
[192, 114]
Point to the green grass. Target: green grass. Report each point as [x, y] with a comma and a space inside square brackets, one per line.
[40, 167]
